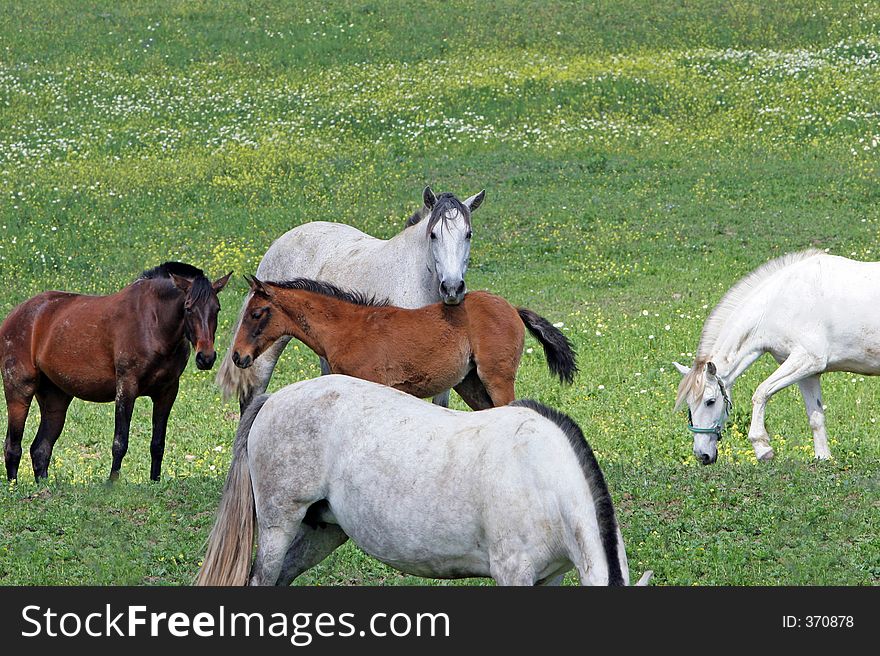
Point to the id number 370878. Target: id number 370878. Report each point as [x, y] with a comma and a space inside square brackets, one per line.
[818, 621]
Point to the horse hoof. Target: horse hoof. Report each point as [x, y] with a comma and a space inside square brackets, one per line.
[764, 453]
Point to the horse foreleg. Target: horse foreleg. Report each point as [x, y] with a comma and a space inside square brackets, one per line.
[310, 547]
[511, 570]
[798, 366]
[811, 390]
[53, 411]
[162, 404]
[124, 407]
[17, 412]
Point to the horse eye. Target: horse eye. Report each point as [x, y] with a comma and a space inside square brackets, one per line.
[433, 235]
[257, 314]
[710, 402]
[468, 235]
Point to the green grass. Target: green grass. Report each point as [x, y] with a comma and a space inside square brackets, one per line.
[638, 158]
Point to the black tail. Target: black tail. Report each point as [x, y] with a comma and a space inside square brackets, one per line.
[557, 347]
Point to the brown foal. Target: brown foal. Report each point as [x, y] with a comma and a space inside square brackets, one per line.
[474, 347]
[59, 345]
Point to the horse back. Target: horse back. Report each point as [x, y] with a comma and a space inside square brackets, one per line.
[493, 324]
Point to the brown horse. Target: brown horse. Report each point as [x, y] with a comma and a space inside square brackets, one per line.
[59, 345]
[474, 347]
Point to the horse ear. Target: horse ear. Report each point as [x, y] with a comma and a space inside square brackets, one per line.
[257, 286]
[710, 367]
[428, 197]
[183, 284]
[684, 371]
[475, 201]
[220, 283]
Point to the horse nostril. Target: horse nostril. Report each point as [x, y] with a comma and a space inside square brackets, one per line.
[235, 357]
[460, 288]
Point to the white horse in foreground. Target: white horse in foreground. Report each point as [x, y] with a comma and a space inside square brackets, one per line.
[514, 492]
[423, 264]
[813, 312]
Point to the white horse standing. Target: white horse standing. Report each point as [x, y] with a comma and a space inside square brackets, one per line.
[423, 264]
[813, 312]
[514, 492]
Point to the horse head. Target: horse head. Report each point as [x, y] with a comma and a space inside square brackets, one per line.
[708, 406]
[200, 309]
[449, 231]
[260, 324]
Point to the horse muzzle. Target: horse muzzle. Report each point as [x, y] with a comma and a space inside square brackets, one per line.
[205, 361]
[452, 294]
[705, 458]
[242, 362]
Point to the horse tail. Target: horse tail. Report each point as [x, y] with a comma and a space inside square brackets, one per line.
[232, 380]
[561, 357]
[231, 542]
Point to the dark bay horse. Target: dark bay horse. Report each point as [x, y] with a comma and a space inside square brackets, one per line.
[60, 345]
[474, 347]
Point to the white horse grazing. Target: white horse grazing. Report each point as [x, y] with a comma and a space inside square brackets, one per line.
[514, 492]
[423, 264]
[813, 313]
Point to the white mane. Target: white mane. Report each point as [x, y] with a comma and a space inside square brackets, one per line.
[740, 291]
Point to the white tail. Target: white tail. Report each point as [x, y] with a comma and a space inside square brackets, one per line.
[231, 542]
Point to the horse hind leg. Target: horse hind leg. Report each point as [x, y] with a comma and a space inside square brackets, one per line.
[499, 384]
[473, 392]
[273, 544]
[310, 546]
[53, 404]
[17, 413]
[19, 385]
[811, 391]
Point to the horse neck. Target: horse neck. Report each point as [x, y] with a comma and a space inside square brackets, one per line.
[737, 345]
[312, 317]
[410, 251]
[165, 303]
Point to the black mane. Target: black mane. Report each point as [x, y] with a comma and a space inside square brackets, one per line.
[445, 202]
[165, 270]
[201, 286]
[595, 479]
[328, 289]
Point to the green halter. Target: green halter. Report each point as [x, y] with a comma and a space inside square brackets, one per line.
[716, 429]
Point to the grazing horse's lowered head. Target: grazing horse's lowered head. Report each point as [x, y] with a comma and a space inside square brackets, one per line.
[708, 402]
[200, 306]
[449, 229]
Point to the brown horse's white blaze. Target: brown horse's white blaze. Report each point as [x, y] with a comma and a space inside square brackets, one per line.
[474, 347]
[58, 346]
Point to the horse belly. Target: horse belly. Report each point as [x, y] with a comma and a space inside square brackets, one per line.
[855, 348]
[432, 555]
[417, 533]
[77, 357]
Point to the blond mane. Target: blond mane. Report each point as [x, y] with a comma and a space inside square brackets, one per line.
[693, 382]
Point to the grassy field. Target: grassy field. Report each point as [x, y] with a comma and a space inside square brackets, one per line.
[638, 158]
